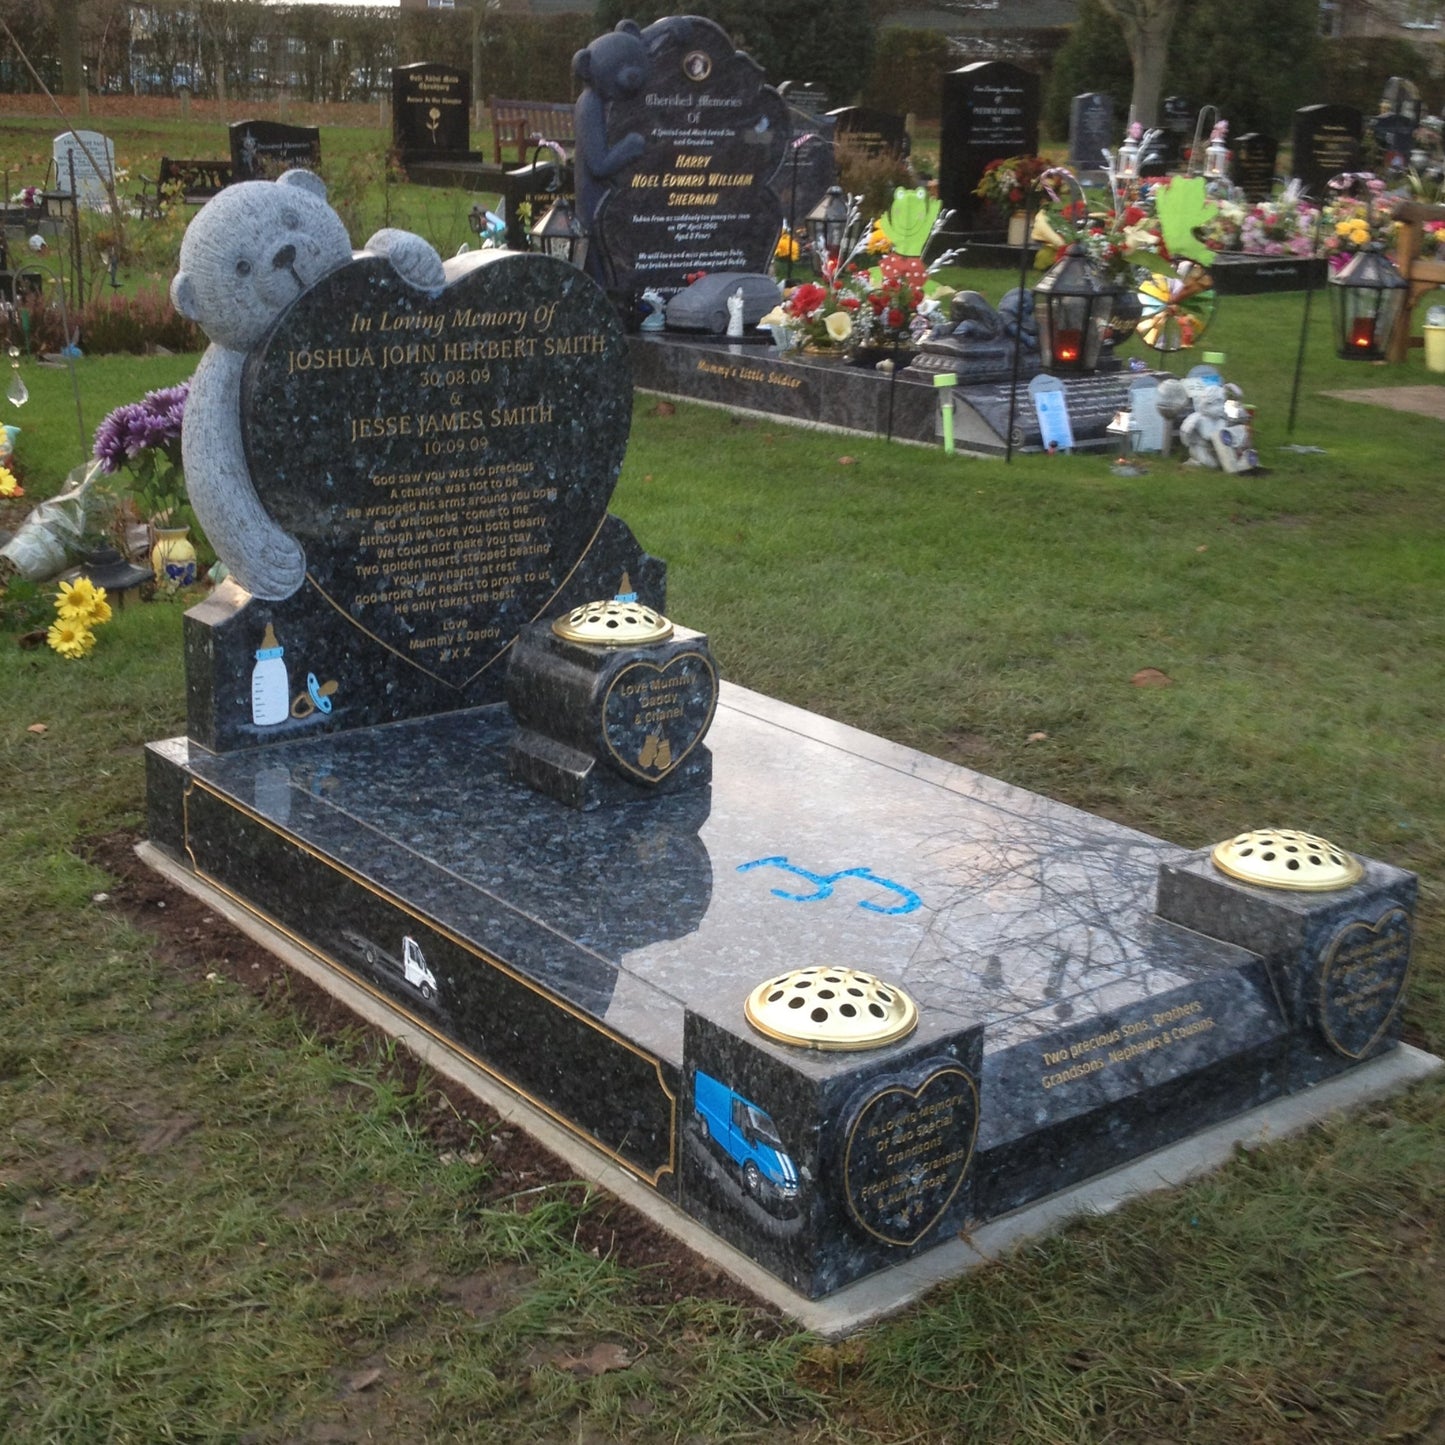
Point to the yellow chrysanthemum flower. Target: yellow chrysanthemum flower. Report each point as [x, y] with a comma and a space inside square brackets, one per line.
[787, 248]
[70, 638]
[9, 487]
[839, 325]
[878, 242]
[82, 601]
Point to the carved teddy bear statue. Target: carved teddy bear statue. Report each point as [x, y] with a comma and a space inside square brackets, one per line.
[1218, 432]
[249, 253]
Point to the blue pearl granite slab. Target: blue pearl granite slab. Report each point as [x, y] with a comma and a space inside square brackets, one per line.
[598, 962]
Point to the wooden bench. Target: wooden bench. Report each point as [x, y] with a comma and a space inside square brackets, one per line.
[521, 123]
[1421, 275]
[198, 182]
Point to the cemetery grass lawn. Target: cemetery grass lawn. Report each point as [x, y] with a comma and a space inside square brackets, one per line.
[227, 1214]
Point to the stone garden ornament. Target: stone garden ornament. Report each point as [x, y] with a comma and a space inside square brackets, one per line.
[249, 253]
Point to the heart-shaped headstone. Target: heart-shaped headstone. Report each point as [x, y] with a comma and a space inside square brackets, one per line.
[1362, 981]
[654, 716]
[445, 460]
[907, 1154]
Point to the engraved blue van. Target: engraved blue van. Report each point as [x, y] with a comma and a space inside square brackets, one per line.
[748, 1136]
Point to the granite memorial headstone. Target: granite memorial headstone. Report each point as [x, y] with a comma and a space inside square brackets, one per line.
[88, 158]
[990, 111]
[869, 130]
[699, 195]
[443, 455]
[430, 109]
[261, 148]
[1326, 143]
[1253, 168]
[1091, 130]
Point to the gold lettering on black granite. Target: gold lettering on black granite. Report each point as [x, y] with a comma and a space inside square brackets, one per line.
[1364, 972]
[924, 1152]
[736, 371]
[1129, 1041]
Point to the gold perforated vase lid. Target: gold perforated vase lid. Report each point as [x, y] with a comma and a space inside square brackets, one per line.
[831, 1008]
[613, 623]
[1286, 858]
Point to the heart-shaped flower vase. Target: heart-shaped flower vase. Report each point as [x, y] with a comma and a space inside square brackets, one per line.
[1362, 981]
[907, 1153]
[444, 459]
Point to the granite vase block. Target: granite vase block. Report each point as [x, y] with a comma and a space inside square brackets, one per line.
[827, 1166]
[1339, 960]
[610, 724]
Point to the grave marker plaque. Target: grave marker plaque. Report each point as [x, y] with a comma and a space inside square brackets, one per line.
[990, 111]
[809, 167]
[262, 148]
[1252, 169]
[1091, 130]
[1326, 142]
[430, 109]
[700, 195]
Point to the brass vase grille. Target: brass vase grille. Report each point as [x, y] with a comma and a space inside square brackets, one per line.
[613, 624]
[831, 1008]
[1286, 858]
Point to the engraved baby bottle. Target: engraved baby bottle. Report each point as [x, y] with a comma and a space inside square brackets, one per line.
[270, 687]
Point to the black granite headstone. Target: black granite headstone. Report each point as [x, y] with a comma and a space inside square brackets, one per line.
[527, 193]
[809, 167]
[1394, 133]
[263, 148]
[431, 109]
[445, 461]
[990, 111]
[812, 100]
[1326, 142]
[1255, 156]
[874, 132]
[699, 197]
[1091, 130]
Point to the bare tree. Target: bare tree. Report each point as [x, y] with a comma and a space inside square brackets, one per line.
[1146, 25]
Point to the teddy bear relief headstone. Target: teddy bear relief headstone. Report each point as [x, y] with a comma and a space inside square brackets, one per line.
[402, 463]
[678, 142]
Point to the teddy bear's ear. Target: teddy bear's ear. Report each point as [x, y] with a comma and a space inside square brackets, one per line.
[582, 66]
[183, 297]
[306, 180]
[627, 27]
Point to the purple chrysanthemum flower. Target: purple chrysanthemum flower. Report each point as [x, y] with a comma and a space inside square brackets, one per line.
[153, 421]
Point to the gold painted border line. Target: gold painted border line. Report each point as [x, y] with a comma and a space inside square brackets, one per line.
[193, 783]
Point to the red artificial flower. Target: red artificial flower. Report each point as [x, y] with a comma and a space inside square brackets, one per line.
[1133, 215]
[849, 303]
[806, 299]
[896, 318]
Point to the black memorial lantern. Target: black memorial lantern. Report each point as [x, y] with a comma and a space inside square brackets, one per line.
[560, 231]
[1072, 305]
[828, 223]
[1368, 295]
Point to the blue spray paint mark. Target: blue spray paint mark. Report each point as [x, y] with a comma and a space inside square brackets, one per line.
[823, 885]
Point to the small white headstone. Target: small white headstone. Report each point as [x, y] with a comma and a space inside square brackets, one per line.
[1149, 435]
[1051, 406]
[92, 157]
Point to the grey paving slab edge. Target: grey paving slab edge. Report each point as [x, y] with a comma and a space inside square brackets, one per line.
[887, 1291]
